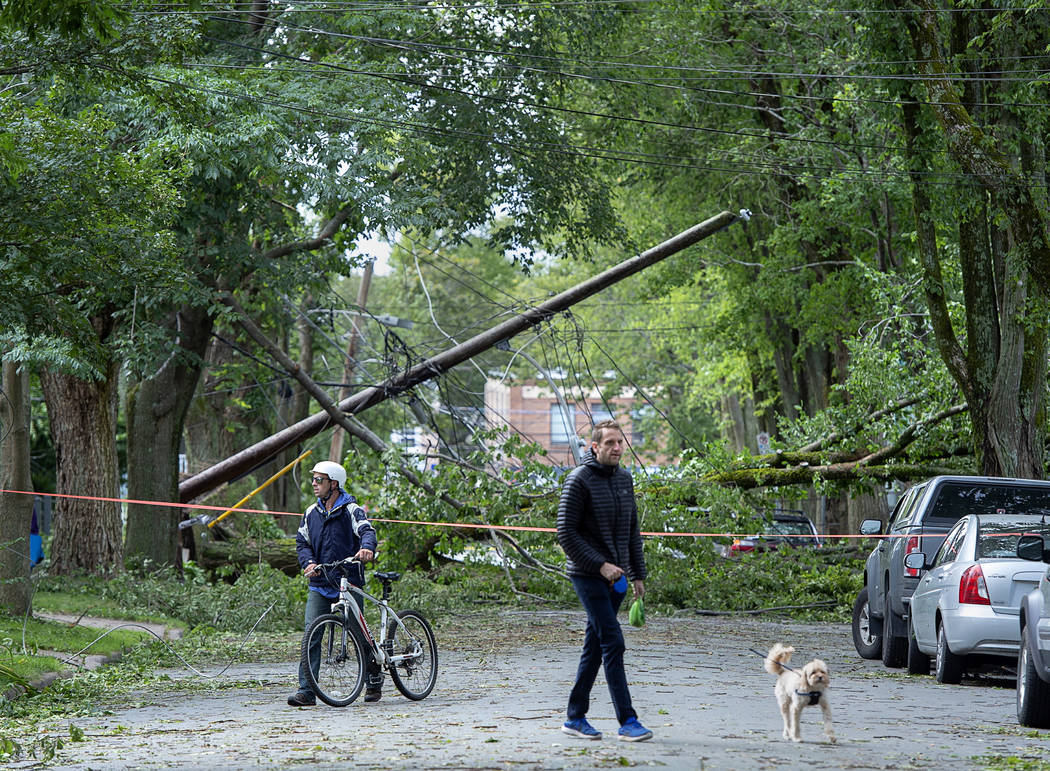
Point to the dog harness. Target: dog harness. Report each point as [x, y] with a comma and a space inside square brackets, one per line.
[814, 697]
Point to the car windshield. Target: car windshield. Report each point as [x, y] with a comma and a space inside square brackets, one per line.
[790, 528]
[998, 539]
[957, 499]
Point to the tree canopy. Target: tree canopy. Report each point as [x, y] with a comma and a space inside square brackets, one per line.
[881, 315]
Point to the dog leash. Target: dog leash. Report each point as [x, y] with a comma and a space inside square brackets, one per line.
[781, 663]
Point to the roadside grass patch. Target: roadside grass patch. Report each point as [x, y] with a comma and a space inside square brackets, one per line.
[1027, 762]
[80, 596]
[22, 638]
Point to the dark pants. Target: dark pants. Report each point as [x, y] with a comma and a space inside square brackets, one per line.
[318, 605]
[602, 646]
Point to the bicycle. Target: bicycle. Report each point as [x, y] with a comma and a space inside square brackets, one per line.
[333, 649]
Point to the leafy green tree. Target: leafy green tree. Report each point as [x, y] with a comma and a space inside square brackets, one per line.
[83, 221]
[289, 109]
[987, 133]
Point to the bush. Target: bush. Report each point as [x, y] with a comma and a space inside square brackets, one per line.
[259, 592]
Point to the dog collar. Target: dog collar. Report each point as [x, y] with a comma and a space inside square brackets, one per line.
[814, 696]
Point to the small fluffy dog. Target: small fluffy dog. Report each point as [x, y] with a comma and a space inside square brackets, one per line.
[799, 688]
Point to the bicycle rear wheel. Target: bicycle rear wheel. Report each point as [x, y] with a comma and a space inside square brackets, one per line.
[334, 663]
[414, 677]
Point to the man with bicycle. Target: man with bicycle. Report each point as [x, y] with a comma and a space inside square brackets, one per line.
[598, 530]
[333, 528]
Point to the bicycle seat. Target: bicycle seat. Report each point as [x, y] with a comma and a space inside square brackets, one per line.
[388, 576]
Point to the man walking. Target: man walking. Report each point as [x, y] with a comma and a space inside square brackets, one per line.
[598, 529]
[333, 528]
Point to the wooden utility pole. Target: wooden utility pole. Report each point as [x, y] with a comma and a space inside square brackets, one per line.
[335, 452]
[252, 456]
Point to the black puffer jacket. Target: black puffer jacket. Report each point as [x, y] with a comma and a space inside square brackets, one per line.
[598, 520]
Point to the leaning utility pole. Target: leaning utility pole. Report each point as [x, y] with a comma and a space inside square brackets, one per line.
[248, 458]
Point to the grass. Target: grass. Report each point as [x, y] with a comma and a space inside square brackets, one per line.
[81, 604]
[21, 639]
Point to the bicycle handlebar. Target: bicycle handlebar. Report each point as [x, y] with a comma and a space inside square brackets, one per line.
[347, 561]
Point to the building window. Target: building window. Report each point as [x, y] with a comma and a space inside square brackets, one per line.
[641, 424]
[600, 412]
[562, 423]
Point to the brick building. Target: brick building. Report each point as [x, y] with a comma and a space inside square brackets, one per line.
[532, 409]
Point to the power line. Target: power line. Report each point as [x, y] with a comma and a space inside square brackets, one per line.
[632, 6]
[797, 170]
[713, 73]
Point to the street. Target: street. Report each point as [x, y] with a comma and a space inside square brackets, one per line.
[500, 699]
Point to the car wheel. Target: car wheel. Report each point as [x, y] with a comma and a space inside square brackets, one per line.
[918, 662]
[868, 645]
[949, 665]
[1033, 695]
[894, 649]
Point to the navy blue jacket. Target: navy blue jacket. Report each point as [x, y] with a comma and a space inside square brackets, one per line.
[334, 535]
[598, 520]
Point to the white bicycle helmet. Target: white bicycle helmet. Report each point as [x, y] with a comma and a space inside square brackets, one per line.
[334, 471]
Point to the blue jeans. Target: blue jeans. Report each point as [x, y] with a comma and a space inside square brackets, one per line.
[603, 645]
[318, 605]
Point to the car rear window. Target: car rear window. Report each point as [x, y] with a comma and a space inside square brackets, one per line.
[998, 540]
[957, 499]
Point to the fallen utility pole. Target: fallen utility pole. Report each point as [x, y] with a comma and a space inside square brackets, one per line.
[250, 457]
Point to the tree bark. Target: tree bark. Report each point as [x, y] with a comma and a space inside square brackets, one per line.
[156, 412]
[1005, 277]
[16, 511]
[278, 554]
[83, 418]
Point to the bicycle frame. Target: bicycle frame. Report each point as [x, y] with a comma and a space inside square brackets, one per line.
[348, 607]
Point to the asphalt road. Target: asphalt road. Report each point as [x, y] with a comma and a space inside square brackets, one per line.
[500, 702]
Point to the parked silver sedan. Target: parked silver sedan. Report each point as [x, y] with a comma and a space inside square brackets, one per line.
[964, 612]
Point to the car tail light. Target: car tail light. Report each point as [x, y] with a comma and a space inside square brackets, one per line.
[739, 545]
[909, 547]
[972, 588]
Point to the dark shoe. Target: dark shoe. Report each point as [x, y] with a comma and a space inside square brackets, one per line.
[302, 699]
[373, 695]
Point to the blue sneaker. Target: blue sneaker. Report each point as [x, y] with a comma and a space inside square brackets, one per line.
[581, 729]
[633, 731]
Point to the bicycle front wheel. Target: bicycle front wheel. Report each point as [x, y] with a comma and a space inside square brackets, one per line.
[334, 663]
[416, 674]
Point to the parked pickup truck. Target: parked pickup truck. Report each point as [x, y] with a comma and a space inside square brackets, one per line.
[919, 522]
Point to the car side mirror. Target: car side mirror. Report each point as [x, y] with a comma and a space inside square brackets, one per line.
[916, 560]
[871, 527]
[1032, 548]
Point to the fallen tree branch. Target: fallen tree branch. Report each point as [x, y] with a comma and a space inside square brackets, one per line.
[835, 436]
[756, 611]
[781, 468]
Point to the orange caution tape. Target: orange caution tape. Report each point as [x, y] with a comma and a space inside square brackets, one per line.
[522, 528]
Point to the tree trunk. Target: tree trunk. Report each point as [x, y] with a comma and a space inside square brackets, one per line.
[1003, 372]
[207, 439]
[285, 494]
[16, 511]
[156, 413]
[278, 554]
[83, 418]
[866, 505]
